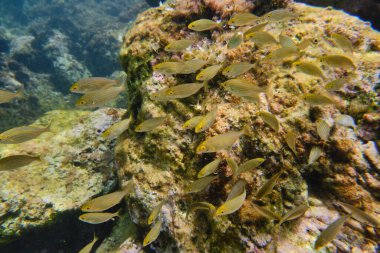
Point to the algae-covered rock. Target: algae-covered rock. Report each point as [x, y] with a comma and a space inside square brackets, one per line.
[76, 166]
[163, 162]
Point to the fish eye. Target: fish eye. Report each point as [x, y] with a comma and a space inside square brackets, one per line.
[74, 88]
[315, 41]
[171, 93]
[82, 102]
[203, 148]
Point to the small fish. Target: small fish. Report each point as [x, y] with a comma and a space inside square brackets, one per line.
[360, 215]
[345, 120]
[6, 96]
[336, 84]
[232, 164]
[241, 19]
[91, 84]
[201, 206]
[235, 41]
[279, 14]
[304, 44]
[269, 185]
[207, 121]
[209, 168]
[178, 45]
[270, 119]
[237, 189]
[286, 42]
[221, 141]
[330, 232]
[290, 139]
[99, 98]
[293, 214]
[192, 66]
[200, 184]
[208, 73]
[231, 205]
[283, 53]
[178, 91]
[317, 99]
[341, 41]
[256, 28]
[323, 129]
[153, 233]
[309, 69]
[150, 124]
[236, 69]
[314, 155]
[266, 212]
[107, 201]
[21, 134]
[338, 61]
[192, 123]
[117, 129]
[97, 218]
[261, 38]
[17, 161]
[88, 247]
[242, 88]
[250, 164]
[168, 68]
[203, 25]
[155, 212]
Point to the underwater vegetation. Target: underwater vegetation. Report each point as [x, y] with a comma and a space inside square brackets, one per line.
[244, 132]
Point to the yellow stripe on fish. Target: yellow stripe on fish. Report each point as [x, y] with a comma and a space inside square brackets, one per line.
[231, 205]
[207, 121]
[91, 84]
[192, 123]
[155, 212]
[178, 91]
[117, 129]
[99, 98]
[21, 134]
[208, 73]
[209, 168]
[153, 233]
[201, 25]
[178, 45]
[241, 19]
[236, 69]
[97, 218]
[150, 124]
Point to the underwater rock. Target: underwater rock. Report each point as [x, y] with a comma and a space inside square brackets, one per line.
[76, 166]
[163, 162]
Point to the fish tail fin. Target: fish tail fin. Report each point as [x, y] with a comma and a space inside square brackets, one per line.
[21, 93]
[205, 86]
[117, 213]
[48, 128]
[247, 131]
[95, 237]
[129, 187]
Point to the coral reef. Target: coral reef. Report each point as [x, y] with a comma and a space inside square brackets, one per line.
[163, 162]
[76, 166]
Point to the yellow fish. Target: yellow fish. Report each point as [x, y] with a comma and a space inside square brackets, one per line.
[304, 44]
[155, 212]
[191, 123]
[153, 233]
[360, 215]
[323, 129]
[117, 129]
[107, 201]
[237, 189]
[21, 134]
[97, 218]
[201, 206]
[242, 88]
[178, 45]
[91, 84]
[338, 61]
[88, 247]
[255, 28]
[209, 168]
[283, 53]
[231, 205]
[330, 232]
[293, 214]
[203, 25]
[208, 73]
[242, 19]
[236, 69]
[248, 165]
[314, 155]
[235, 41]
[286, 42]
[17, 161]
[221, 141]
[150, 124]
[178, 91]
[200, 184]
[318, 99]
[6, 96]
[99, 98]
[279, 14]
[290, 139]
[269, 185]
[192, 66]
[232, 164]
[309, 69]
[266, 212]
[270, 119]
[207, 121]
[343, 42]
[336, 84]
[261, 38]
[345, 120]
[168, 68]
